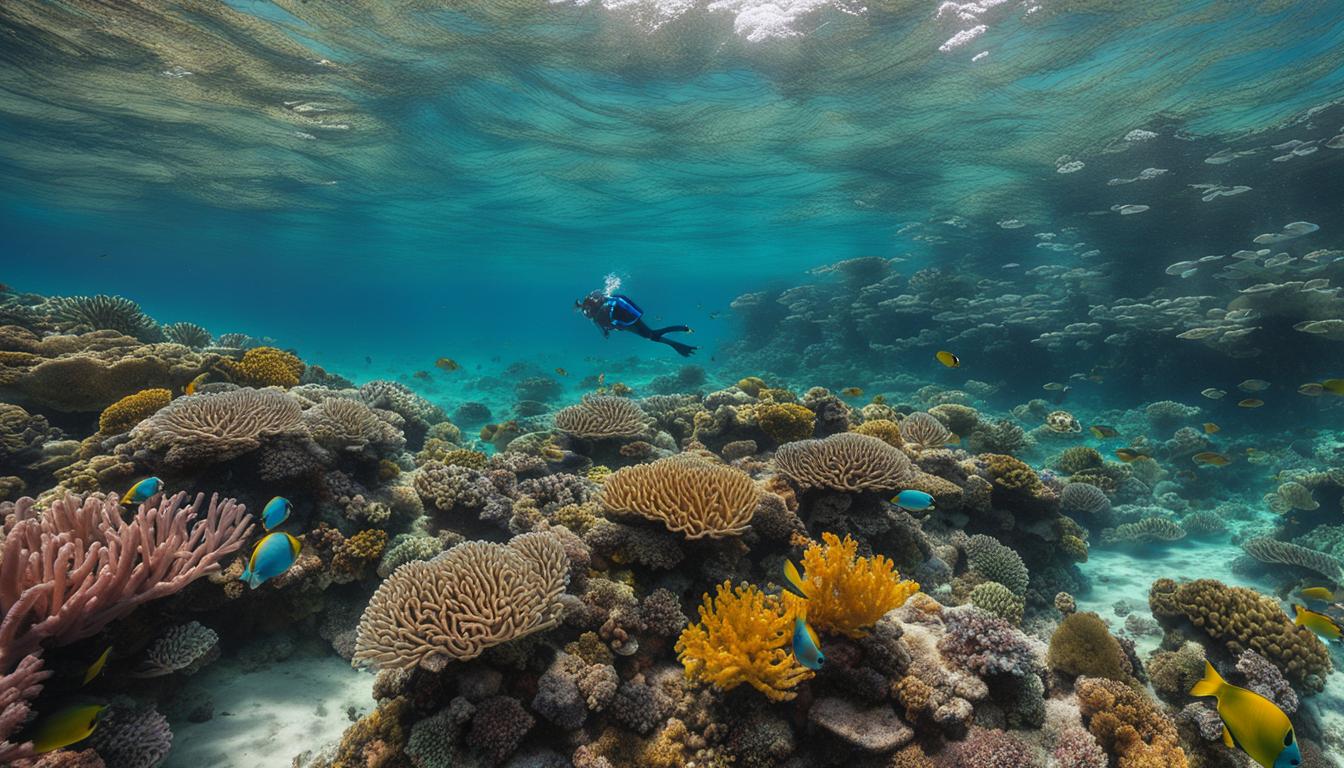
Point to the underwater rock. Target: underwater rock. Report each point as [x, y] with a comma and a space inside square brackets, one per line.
[875, 730]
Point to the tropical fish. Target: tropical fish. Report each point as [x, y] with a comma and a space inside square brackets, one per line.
[1333, 386]
[601, 378]
[422, 375]
[948, 359]
[879, 399]
[1311, 389]
[142, 490]
[913, 501]
[1213, 394]
[1211, 429]
[561, 372]
[1129, 454]
[1211, 458]
[1322, 626]
[793, 580]
[851, 392]
[806, 646]
[276, 512]
[1103, 431]
[1053, 386]
[1253, 385]
[66, 726]
[1318, 593]
[195, 384]
[446, 364]
[1250, 402]
[96, 668]
[1251, 723]
[272, 556]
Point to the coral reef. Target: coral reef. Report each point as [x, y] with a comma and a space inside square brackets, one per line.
[844, 462]
[743, 637]
[687, 495]
[847, 594]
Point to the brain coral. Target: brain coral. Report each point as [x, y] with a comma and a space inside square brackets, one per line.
[1082, 645]
[845, 462]
[130, 410]
[847, 594]
[350, 425]
[785, 422]
[475, 595]
[992, 560]
[1244, 619]
[603, 416]
[266, 367]
[743, 637]
[209, 428]
[1085, 498]
[924, 431]
[686, 494]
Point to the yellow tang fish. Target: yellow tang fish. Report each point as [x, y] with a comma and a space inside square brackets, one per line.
[1318, 593]
[1211, 429]
[67, 726]
[1102, 431]
[1251, 723]
[1333, 386]
[96, 668]
[195, 384]
[1320, 625]
[948, 359]
[851, 392]
[1211, 458]
[1251, 402]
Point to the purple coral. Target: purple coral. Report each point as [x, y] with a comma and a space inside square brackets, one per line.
[1265, 679]
[986, 644]
[1078, 748]
[498, 727]
[132, 738]
[992, 748]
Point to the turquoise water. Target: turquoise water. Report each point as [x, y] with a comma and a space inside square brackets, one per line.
[1124, 218]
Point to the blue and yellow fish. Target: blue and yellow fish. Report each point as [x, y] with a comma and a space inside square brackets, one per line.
[913, 501]
[66, 726]
[806, 646]
[142, 490]
[276, 512]
[1322, 626]
[793, 580]
[1251, 723]
[272, 556]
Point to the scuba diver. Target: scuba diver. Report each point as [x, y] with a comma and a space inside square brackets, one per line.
[620, 313]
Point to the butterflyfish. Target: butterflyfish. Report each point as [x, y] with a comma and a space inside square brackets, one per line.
[851, 392]
[195, 384]
[1211, 429]
[66, 726]
[1251, 723]
[913, 501]
[276, 512]
[806, 646]
[1211, 458]
[948, 359]
[1320, 625]
[142, 490]
[272, 556]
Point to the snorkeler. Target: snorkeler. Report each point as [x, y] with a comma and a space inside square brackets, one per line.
[620, 313]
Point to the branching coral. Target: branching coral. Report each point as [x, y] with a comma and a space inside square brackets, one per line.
[265, 367]
[847, 594]
[70, 571]
[208, 428]
[475, 595]
[1129, 725]
[845, 462]
[18, 688]
[1241, 618]
[743, 637]
[130, 410]
[686, 494]
[603, 416]
[1268, 550]
[923, 431]
[785, 422]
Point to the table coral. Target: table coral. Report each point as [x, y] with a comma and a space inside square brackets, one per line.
[847, 594]
[743, 636]
[687, 495]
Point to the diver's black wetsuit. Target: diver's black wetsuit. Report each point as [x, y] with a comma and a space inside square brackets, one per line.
[620, 313]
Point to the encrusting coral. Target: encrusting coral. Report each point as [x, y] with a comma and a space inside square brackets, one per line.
[847, 594]
[688, 495]
[743, 637]
[1129, 725]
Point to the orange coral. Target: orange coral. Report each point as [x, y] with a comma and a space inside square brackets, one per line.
[132, 409]
[266, 367]
[1128, 724]
[743, 637]
[846, 594]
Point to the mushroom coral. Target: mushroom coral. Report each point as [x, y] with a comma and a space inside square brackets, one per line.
[743, 637]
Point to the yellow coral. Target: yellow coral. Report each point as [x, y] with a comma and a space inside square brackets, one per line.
[266, 367]
[785, 422]
[885, 430]
[387, 469]
[752, 385]
[130, 410]
[598, 472]
[846, 594]
[1011, 473]
[744, 636]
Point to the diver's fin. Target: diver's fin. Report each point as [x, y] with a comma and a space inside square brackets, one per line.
[1211, 685]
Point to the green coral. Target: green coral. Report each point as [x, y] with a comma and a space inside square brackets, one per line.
[993, 597]
[1083, 646]
[995, 562]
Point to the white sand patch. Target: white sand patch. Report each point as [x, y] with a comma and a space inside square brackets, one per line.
[263, 718]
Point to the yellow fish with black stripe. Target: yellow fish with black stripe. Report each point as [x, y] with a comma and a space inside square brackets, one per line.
[1320, 625]
[1251, 723]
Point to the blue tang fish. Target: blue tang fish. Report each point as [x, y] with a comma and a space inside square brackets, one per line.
[806, 646]
[276, 512]
[913, 501]
[271, 557]
[142, 490]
